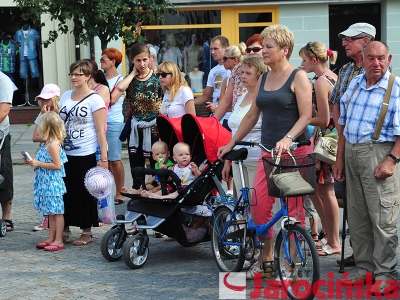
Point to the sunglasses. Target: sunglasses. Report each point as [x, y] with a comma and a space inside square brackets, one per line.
[104, 59]
[75, 75]
[255, 49]
[163, 74]
[226, 58]
[349, 39]
[308, 48]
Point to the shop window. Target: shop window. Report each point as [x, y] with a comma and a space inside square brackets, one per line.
[188, 48]
[20, 55]
[192, 17]
[255, 17]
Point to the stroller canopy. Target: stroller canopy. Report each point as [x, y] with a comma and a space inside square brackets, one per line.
[169, 130]
[204, 135]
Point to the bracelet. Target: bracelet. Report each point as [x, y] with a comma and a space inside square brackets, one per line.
[104, 160]
[290, 137]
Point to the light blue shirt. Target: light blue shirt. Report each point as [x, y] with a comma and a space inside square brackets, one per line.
[33, 38]
[362, 113]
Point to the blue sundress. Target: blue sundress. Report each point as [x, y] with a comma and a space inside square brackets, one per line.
[49, 187]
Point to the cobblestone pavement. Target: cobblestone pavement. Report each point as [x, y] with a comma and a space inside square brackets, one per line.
[171, 271]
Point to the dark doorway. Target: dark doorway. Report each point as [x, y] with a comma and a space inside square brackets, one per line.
[342, 16]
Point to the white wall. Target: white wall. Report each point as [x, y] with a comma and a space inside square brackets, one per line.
[391, 29]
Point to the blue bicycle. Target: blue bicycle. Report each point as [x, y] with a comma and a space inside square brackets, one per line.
[233, 234]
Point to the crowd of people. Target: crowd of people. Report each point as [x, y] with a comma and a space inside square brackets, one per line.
[258, 95]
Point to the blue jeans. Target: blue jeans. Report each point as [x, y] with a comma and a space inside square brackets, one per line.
[113, 141]
[33, 65]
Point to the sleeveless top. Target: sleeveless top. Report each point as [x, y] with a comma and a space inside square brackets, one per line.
[279, 110]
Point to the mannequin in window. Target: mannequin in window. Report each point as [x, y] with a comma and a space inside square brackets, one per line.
[170, 52]
[28, 40]
[8, 51]
[192, 54]
[196, 80]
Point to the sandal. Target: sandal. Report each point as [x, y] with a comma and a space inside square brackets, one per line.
[42, 245]
[321, 235]
[81, 241]
[316, 239]
[269, 268]
[326, 250]
[66, 236]
[118, 201]
[10, 225]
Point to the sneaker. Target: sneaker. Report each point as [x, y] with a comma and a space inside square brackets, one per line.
[248, 263]
[44, 224]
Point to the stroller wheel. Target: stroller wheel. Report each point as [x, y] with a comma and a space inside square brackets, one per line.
[131, 252]
[3, 228]
[108, 245]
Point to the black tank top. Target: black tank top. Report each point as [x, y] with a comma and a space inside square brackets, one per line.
[280, 111]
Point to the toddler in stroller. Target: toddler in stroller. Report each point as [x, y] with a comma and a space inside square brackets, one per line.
[174, 214]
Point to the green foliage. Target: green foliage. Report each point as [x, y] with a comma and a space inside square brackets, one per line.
[107, 19]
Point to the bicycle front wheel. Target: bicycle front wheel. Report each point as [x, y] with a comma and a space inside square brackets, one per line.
[298, 262]
[229, 258]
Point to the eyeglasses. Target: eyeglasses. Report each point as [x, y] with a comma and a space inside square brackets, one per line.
[308, 48]
[104, 58]
[349, 39]
[163, 74]
[226, 58]
[255, 49]
[75, 75]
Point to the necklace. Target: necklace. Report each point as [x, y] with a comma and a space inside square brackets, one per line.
[141, 77]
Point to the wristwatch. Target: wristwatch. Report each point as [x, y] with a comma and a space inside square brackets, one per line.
[396, 159]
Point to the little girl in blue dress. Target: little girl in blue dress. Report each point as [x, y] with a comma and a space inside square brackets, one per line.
[49, 187]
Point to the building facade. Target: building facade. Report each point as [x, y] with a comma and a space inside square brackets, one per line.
[200, 20]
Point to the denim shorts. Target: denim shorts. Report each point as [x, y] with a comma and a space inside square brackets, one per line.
[113, 141]
[33, 66]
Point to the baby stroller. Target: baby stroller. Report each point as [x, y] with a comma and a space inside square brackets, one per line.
[204, 136]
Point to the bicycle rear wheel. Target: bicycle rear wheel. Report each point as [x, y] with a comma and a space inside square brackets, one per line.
[229, 258]
[300, 273]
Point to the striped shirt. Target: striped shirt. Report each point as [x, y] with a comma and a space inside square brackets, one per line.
[362, 113]
[346, 74]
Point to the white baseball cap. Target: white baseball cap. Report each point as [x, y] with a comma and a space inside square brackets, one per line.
[49, 91]
[357, 29]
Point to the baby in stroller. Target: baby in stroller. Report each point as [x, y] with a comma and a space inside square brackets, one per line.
[160, 154]
[186, 170]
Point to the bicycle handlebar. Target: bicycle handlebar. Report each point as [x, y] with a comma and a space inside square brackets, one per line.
[293, 145]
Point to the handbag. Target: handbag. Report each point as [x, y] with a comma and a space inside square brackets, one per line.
[291, 183]
[326, 149]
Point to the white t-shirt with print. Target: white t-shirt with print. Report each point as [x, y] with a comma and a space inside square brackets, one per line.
[185, 174]
[81, 132]
[176, 108]
[215, 79]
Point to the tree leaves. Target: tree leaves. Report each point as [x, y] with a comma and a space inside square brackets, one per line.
[107, 19]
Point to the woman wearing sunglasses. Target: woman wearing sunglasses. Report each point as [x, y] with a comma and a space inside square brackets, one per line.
[143, 91]
[284, 102]
[314, 59]
[178, 96]
[110, 60]
[233, 56]
[235, 88]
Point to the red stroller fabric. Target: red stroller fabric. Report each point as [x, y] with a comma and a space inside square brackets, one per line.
[204, 135]
[169, 130]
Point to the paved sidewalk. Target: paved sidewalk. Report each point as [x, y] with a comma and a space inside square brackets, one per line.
[21, 139]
